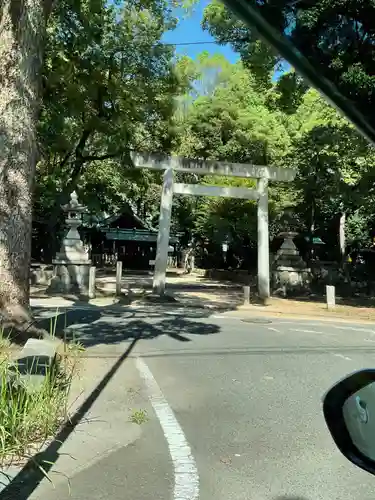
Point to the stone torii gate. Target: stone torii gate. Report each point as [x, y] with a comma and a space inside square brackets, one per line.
[170, 164]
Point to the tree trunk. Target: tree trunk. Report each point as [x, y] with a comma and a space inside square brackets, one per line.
[22, 31]
[311, 228]
[342, 242]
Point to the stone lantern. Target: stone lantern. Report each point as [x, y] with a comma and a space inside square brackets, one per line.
[289, 269]
[72, 264]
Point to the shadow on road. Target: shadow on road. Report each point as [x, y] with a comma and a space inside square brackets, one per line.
[189, 291]
[108, 326]
[28, 479]
[91, 327]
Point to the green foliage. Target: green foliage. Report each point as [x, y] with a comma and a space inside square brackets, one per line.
[109, 86]
[234, 123]
[224, 26]
[331, 159]
[106, 75]
[357, 228]
[30, 414]
[336, 37]
[288, 125]
[200, 78]
[288, 92]
[339, 39]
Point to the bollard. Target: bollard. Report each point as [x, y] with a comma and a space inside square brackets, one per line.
[118, 277]
[92, 282]
[330, 294]
[246, 295]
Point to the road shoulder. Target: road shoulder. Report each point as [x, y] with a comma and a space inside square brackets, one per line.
[106, 425]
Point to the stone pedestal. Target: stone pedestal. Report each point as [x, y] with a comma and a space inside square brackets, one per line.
[289, 278]
[72, 264]
[289, 271]
[70, 278]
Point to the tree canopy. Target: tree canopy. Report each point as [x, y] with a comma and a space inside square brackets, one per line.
[206, 108]
[336, 37]
[110, 85]
[285, 125]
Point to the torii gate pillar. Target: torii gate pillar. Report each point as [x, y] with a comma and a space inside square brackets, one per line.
[263, 240]
[161, 260]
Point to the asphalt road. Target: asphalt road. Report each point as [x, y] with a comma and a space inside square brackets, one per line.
[247, 399]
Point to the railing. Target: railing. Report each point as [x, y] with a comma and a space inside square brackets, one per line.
[105, 259]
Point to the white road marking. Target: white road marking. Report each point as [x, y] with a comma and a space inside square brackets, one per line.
[327, 324]
[305, 331]
[342, 357]
[177, 310]
[186, 479]
[340, 326]
[273, 329]
[218, 316]
[352, 328]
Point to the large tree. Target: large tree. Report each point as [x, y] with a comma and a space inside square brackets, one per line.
[109, 86]
[22, 34]
[286, 125]
[231, 122]
[334, 164]
[106, 84]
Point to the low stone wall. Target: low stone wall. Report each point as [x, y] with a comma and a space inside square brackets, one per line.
[314, 278]
[328, 273]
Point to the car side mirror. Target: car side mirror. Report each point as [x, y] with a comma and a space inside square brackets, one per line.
[349, 412]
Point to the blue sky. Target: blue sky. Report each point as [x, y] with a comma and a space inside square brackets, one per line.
[189, 30]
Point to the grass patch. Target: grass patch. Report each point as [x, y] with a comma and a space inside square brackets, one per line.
[139, 417]
[31, 413]
[29, 416]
